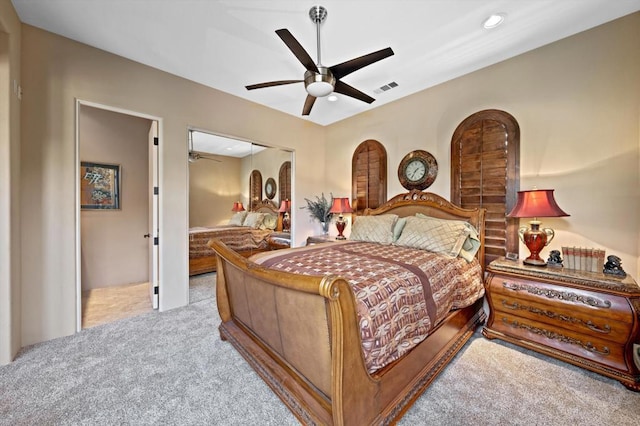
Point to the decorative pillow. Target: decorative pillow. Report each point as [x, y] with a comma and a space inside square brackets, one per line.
[471, 244]
[237, 219]
[436, 235]
[269, 221]
[398, 227]
[253, 220]
[374, 229]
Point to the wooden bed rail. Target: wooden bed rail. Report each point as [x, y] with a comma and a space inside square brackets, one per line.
[320, 311]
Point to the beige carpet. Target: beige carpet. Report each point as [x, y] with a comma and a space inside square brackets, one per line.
[171, 368]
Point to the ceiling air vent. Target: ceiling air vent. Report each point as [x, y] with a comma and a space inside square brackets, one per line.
[386, 87]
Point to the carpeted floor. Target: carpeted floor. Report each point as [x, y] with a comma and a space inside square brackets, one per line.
[171, 368]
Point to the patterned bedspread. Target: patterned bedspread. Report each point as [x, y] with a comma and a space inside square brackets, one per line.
[401, 293]
[237, 238]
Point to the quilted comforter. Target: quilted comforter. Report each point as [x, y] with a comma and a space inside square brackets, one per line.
[401, 293]
[238, 238]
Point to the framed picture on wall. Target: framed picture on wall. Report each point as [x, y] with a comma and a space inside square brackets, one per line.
[99, 186]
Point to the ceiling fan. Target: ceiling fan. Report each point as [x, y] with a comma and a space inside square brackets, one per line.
[319, 80]
[195, 156]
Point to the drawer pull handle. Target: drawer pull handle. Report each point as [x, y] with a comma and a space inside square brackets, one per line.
[557, 336]
[606, 329]
[561, 295]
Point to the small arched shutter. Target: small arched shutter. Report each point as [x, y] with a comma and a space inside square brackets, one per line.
[255, 189]
[368, 176]
[284, 181]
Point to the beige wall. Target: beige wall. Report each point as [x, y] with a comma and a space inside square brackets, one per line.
[113, 248]
[10, 291]
[57, 71]
[578, 105]
[213, 188]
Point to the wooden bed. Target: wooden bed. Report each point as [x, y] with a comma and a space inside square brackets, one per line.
[301, 334]
[203, 260]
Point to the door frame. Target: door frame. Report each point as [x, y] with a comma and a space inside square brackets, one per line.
[78, 273]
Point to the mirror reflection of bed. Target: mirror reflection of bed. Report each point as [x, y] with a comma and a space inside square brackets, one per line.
[236, 189]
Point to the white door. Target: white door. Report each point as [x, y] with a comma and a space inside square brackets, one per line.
[153, 236]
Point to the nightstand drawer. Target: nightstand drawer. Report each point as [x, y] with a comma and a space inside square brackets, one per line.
[563, 298]
[597, 350]
[563, 316]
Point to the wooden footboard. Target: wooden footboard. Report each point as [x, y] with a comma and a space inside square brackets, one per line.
[301, 335]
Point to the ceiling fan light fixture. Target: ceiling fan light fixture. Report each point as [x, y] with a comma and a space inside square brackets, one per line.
[319, 84]
[494, 20]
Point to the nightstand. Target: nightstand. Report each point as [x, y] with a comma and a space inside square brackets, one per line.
[588, 319]
[316, 239]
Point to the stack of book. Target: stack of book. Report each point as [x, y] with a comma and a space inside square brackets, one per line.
[583, 259]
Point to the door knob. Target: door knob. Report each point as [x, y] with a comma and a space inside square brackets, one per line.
[147, 235]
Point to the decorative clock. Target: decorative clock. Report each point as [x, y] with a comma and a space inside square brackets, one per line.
[270, 188]
[417, 170]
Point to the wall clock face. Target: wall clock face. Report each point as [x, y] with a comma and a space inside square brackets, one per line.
[417, 170]
[270, 188]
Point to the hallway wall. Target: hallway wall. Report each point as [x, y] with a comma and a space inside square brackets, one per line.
[113, 249]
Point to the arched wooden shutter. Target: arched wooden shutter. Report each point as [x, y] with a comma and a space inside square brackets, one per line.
[284, 181]
[368, 176]
[255, 189]
[485, 172]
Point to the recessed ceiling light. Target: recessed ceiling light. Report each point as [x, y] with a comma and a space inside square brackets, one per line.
[332, 98]
[494, 20]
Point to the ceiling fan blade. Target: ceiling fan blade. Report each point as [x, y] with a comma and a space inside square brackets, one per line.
[346, 68]
[308, 104]
[345, 89]
[271, 84]
[297, 49]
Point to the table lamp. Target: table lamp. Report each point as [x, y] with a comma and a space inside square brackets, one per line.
[237, 207]
[340, 205]
[285, 207]
[536, 203]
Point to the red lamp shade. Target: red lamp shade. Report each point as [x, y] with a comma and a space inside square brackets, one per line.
[285, 207]
[237, 207]
[339, 206]
[536, 203]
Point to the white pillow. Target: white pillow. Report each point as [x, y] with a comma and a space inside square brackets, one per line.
[269, 221]
[237, 219]
[436, 235]
[374, 229]
[253, 220]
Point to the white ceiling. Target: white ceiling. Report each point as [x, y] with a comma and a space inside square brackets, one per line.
[227, 44]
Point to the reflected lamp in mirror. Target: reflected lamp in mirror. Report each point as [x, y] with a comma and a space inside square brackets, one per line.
[285, 207]
[237, 207]
[534, 204]
[340, 206]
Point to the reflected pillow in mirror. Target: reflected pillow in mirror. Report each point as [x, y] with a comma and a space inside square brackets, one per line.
[237, 219]
[269, 221]
[253, 220]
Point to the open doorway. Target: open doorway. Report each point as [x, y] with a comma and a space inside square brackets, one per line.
[117, 226]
